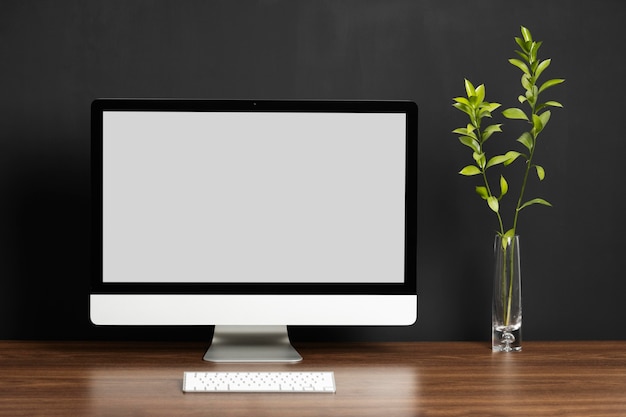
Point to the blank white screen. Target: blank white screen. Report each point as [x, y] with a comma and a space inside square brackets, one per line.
[257, 197]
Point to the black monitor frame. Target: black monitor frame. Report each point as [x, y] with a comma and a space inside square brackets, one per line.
[409, 286]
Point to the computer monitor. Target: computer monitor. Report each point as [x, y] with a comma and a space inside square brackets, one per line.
[253, 216]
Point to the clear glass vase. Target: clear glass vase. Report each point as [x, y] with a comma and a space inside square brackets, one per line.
[506, 316]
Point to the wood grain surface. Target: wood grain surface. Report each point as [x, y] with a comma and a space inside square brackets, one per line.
[40, 378]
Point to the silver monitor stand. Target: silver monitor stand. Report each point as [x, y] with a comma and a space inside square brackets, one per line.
[251, 344]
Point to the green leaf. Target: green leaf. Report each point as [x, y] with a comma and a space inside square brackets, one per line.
[493, 203]
[550, 83]
[487, 108]
[509, 233]
[535, 201]
[482, 192]
[506, 237]
[471, 142]
[553, 103]
[531, 94]
[498, 159]
[533, 51]
[480, 159]
[526, 34]
[537, 124]
[480, 94]
[527, 83]
[541, 67]
[524, 45]
[491, 106]
[462, 100]
[550, 103]
[470, 170]
[521, 54]
[504, 186]
[534, 66]
[464, 108]
[521, 99]
[512, 156]
[466, 131]
[469, 88]
[527, 140]
[519, 64]
[484, 113]
[514, 113]
[489, 130]
[541, 173]
[545, 117]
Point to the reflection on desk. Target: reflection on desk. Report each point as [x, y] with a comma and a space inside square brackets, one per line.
[373, 379]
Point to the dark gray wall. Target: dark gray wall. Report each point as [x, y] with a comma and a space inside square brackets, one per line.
[56, 56]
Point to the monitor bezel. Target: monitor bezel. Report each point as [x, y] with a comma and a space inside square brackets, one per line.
[408, 286]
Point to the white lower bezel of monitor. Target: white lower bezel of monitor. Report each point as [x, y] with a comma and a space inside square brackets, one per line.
[213, 309]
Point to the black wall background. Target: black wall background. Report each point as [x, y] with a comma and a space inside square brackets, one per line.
[57, 56]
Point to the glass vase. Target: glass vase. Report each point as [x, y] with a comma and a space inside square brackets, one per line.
[506, 316]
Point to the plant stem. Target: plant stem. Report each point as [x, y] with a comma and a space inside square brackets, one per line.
[507, 278]
[521, 194]
[486, 181]
[503, 286]
[533, 112]
[490, 194]
[511, 276]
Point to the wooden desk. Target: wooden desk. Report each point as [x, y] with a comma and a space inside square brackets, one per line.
[377, 379]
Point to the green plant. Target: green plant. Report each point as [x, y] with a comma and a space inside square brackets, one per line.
[474, 135]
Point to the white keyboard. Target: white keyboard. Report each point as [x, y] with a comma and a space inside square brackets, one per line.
[259, 382]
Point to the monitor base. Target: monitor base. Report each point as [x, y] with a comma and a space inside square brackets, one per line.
[251, 344]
